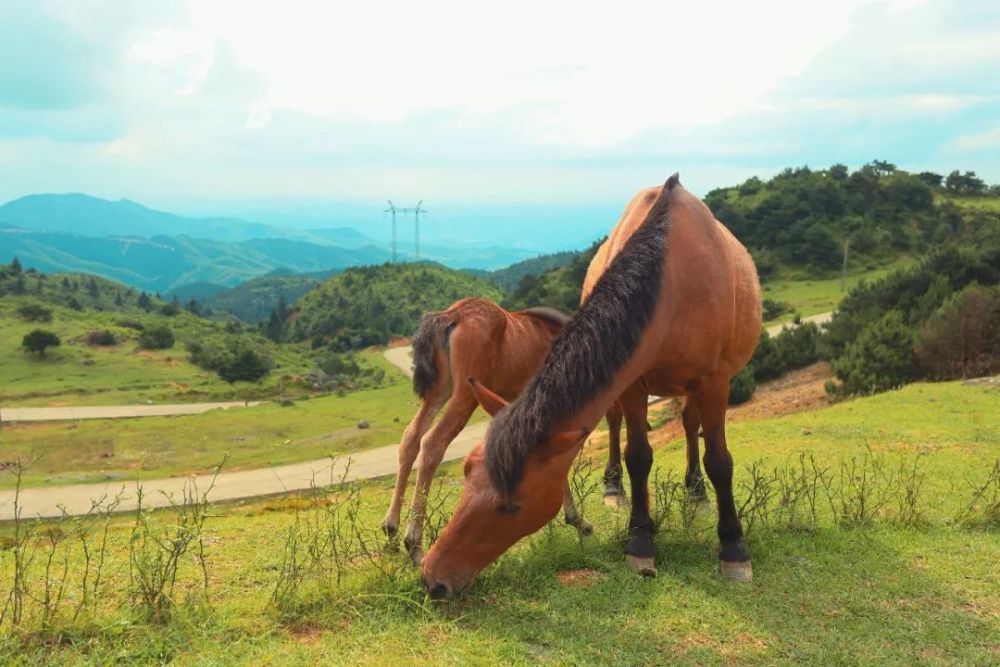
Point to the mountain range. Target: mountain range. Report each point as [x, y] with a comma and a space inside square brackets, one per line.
[159, 251]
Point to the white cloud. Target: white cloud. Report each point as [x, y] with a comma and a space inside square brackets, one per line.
[980, 141]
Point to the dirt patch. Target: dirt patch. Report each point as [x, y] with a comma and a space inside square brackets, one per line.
[581, 578]
[149, 355]
[306, 633]
[729, 650]
[398, 342]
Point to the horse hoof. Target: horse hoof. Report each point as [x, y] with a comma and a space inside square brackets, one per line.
[390, 531]
[584, 527]
[644, 566]
[614, 500]
[416, 556]
[741, 571]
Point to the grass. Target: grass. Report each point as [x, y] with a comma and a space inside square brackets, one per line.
[79, 374]
[814, 296]
[266, 435]
[882, 593]
[983, 203]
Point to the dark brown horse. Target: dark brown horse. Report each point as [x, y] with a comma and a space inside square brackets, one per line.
[473, 338]
[676, 312]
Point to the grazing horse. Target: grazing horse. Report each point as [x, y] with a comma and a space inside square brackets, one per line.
[473, 338]
[614, 490]
[676, 312]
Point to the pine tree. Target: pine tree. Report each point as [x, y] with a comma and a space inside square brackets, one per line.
[16, 267]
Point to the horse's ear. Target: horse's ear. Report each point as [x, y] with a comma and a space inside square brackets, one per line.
[490, 401]
[561, 442]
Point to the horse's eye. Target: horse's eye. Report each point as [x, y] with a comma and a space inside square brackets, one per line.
[508, 508]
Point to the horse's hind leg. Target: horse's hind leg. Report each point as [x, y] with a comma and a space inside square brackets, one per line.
[693, 480]
[573, 517]
[712, 396]
[456, 416]
[409, 447]
[614, 491]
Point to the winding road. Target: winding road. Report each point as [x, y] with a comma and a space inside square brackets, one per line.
[115, 411]
[77, 499]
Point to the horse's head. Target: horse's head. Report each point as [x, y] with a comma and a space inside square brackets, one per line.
[487, 521]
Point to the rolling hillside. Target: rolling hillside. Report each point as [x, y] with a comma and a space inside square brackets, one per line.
[368, 305]
[162, 263]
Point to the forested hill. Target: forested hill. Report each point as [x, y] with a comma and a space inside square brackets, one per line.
[368, 305]
[799, 222]
[804, 217]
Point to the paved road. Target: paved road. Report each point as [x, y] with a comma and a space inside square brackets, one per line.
[228, 486]
[77, 498]
[114, 411]
[401, 358]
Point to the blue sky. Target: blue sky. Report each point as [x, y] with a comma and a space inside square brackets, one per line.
[236, 106]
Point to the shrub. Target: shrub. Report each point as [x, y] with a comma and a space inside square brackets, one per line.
[742, 386]
[962, 339]
[33, 312]
[156, 338]
[237, 359]
[135, 325]
[247, 365]
[880, 359]
[799, 346]
[102, 337]
[39, 340]
[335, 364]
[794, 347]
[774, 309]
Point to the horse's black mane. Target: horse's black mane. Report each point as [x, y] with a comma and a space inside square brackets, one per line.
[550, 315]
[596, 343]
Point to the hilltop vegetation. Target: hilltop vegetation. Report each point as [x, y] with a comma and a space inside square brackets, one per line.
[804, 218]
[559, 287]
[510, 277]
[254, 300]
[369, 305]
[121, 345]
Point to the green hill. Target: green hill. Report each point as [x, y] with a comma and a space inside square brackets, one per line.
[803, 218]
[510, 277]
[113, 368]
[368, 305]
[254, 300]
[558, 287]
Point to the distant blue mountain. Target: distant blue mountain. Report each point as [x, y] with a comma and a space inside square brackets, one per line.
[91, 216]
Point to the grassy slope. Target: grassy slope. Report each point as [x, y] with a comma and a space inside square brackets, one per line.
[820, 295]
[78, 374]
[877, 595]
[88, 451]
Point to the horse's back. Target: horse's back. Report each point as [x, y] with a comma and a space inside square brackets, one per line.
[710, 302]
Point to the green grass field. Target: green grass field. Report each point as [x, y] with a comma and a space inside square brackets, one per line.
[813, 296]
[984, 203]
[266, 435]
[76, 373]
[883, 591]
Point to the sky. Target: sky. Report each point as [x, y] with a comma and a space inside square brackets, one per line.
[286, 108]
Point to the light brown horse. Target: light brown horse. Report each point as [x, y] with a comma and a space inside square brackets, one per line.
[675, 312]
[473, 338]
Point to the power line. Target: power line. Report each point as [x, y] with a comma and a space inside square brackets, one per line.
[416, 211]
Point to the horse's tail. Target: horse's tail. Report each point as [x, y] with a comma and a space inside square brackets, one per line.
[430, 338]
